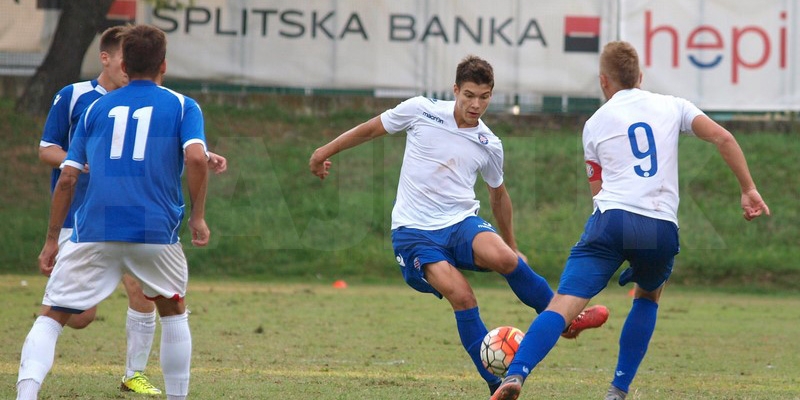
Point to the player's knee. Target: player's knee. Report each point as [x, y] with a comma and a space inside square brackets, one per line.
[462, 301]
[507, 262]
[80, 321]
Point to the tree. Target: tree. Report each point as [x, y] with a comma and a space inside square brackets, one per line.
[78, 24]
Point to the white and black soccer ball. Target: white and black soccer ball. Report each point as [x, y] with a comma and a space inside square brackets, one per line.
[499, 347]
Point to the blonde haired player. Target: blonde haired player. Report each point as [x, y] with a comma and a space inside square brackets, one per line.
[631, 151]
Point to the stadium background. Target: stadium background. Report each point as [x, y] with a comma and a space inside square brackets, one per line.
[312, 59]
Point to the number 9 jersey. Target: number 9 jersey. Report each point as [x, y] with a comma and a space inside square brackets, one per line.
[633, 138]
[133, 140]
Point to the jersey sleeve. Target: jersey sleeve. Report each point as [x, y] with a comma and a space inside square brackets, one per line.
[689, 113]
[56, 127]
[492, 171]
[402, 116]
[192, 126]
[76, 156]
[589, 148]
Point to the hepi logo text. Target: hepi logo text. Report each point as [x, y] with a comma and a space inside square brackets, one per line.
[708, 45]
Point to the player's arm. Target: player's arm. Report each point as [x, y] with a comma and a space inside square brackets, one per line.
[197, 181]
[59, 207]
[319, 164]
[52, 155]
[503, 212]
[705, 128]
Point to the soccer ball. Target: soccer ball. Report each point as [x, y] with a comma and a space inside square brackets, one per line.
[499, 347]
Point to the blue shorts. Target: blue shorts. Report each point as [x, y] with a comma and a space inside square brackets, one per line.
[413, 248]
[613, 237]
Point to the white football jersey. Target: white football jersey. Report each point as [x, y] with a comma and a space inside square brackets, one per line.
[436, 188]
[634, 139]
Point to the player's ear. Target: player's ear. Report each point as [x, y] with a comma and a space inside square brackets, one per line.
[124, 66]
[603, 81]
[104, 58]
[163, 68]
[455, 90]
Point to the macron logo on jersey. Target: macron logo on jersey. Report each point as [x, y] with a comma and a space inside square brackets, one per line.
[433, 117]
[58, 97]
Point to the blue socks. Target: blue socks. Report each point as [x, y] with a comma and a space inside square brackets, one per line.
[530, 288]
[471, 329]
[633, 341]
[540, 339]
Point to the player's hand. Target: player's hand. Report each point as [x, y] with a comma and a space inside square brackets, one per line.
[753, 205]
[217, 163]
[47, 257]
[200, 232]
[320, 168]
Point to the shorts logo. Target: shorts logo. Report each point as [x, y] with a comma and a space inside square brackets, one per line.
[417, 264]
[581, 34]
[483, 139]
[486, 225]
[400, 260]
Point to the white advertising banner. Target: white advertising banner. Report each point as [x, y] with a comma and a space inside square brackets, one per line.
[535, 47]
[720, 54]
[24, 28]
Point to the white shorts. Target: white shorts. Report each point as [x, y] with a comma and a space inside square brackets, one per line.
[86, 273]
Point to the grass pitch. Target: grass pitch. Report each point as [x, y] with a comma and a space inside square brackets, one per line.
[298, 341]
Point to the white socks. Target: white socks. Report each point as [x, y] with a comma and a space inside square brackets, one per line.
[140, 327]
[176, 355]
[37, 356]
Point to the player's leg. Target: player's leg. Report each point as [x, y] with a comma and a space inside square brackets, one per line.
[427, 266]
[65, 295]
[176, 347]
[38, 352]
[452, 284]
[652, 245]
[163, 274]
[634, 340]
[489, 251]
[541, 337]
[591, 263]
[140, 329]
[76, 321]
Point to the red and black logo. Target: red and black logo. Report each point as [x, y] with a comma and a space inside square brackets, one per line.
[582, 34]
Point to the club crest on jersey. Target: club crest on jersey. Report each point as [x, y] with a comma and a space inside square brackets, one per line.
[417, 264]
[483, 139]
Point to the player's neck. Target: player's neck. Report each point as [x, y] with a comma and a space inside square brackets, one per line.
[106, 83]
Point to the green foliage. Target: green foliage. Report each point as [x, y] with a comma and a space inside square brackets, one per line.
[271, 219]
[256, 340]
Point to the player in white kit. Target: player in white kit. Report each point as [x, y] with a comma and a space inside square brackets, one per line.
[436, 230]
[631, 153]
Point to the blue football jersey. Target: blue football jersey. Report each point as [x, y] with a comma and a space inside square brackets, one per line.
[68, 105]
[133, 140]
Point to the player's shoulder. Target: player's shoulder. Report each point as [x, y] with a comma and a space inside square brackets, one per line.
[182, 99]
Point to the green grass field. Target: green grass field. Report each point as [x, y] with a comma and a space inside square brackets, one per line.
[263, 340]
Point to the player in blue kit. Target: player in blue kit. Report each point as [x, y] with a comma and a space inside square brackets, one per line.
[68, 104]
[138, 141]
[436, 230]
[631, 152]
